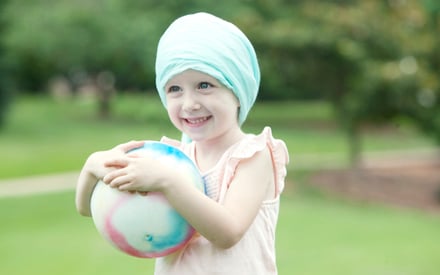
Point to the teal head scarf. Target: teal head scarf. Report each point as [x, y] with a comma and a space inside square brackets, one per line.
[211, 45]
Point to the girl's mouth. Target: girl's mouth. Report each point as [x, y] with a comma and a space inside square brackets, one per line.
[194, 122]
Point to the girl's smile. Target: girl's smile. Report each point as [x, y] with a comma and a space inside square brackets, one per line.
[196, 121]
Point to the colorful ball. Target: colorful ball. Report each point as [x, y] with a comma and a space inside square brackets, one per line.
[145, 226]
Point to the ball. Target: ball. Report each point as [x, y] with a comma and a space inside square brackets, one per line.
[145, 225]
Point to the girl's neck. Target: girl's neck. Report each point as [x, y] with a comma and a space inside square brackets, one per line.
[209, 152]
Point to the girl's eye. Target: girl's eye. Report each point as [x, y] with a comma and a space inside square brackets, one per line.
[173, 89]
[204, 85]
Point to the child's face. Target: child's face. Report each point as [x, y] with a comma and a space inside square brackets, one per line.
[200, 106]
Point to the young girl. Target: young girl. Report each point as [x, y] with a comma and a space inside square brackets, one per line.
[208, 79]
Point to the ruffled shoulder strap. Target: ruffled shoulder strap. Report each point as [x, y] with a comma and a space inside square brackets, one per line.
[251, 145]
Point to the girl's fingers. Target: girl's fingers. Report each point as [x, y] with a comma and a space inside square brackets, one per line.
[125, 147]
[119, 162]
[133, 155]
[119, 182]
[111, 177]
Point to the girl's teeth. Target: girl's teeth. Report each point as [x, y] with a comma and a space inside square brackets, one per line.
[195, 121]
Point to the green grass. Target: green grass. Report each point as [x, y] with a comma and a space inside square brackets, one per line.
[316, 235]
[44, 235]
[44, 136]
[319, 235]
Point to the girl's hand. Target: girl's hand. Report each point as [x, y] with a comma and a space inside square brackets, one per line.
[137, 173]
[95, 169]
[96, 162]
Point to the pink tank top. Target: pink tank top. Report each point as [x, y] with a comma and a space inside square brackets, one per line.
[254, 254]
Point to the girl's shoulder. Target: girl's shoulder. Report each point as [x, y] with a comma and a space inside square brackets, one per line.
[253, 144]
[263, 149]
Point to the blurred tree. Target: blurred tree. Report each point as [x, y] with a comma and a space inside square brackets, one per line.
[4, 89]
[428, 118]
[74, 38]
[77, 38]
[374, 60]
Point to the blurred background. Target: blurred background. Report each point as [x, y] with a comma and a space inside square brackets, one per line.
[352, 87]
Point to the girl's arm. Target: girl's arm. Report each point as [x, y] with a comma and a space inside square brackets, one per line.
[87, 180]
[223, 225]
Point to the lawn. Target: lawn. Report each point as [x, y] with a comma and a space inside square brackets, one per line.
[316, 235]
[46, 136]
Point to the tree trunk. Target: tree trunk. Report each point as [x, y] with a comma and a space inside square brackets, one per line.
[355, 147]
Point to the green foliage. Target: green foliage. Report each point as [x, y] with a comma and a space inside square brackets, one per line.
[74, 37]
[4, 93]
[376, 61]
[88, 37]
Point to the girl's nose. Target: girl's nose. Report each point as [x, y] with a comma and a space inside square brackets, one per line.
[190, 102]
